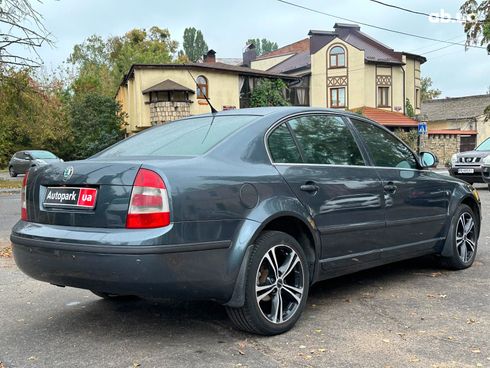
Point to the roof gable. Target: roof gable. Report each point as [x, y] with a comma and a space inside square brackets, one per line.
[466, 107]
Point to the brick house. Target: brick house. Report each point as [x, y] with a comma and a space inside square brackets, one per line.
[455, 124]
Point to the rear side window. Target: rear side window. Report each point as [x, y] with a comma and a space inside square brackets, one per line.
[386, 150]
[326, 139]
[190, 137]
[282, 147]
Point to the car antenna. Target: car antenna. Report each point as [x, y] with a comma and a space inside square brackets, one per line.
[213, 110]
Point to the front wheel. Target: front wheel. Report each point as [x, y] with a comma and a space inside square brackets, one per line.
[277, 284]
[464, 239]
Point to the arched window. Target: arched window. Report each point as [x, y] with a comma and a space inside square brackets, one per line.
[202, 87]
[337, 57]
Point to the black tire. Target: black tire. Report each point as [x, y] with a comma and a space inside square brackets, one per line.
[12, 172]
[252, 316]
[489, 187]
[109, 296]
[464, 244]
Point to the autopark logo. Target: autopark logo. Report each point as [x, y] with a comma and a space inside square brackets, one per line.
[445, 17]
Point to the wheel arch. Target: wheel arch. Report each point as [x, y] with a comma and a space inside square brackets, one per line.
[469, 200]
[292, 224]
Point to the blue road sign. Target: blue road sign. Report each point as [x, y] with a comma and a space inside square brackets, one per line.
[422, 128]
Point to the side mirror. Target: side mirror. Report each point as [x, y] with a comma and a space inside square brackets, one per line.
[428, 159]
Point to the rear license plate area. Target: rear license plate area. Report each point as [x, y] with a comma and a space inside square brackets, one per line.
[70, 197]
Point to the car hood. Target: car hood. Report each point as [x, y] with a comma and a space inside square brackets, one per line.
[474, 154]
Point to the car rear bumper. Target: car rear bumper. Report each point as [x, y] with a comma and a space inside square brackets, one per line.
[475, 177]
[196, 271]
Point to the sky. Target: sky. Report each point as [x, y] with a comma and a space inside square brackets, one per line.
[227, 25]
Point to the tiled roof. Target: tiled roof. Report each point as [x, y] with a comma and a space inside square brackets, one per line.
[167, 85]
[241, 70]
[466, 107]
[387, 118]
[298, 46]
[295, 62]
[453, 132]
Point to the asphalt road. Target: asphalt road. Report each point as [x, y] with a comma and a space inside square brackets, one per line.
[406, 314]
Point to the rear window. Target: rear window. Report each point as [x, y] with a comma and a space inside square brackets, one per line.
[190, 137]
[42, 154]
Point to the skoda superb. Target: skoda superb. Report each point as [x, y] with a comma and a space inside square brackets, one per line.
[247, 208]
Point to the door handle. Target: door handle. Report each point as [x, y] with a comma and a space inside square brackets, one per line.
[309, 187]
[390, 187]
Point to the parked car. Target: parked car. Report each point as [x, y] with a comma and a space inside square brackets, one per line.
[247, 208]
[468, 165]
[23, 160]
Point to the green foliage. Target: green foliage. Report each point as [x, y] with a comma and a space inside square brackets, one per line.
[426, 92]
[269, 92]
[477, 28]
[194, 45]
[263, 46]
[409, 111]
[102, 63]
[409, 137]
[96, 122]
[32, 115]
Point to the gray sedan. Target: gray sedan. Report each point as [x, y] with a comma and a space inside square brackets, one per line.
[247, 208]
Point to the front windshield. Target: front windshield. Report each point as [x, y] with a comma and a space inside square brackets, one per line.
[189, 137]
[485, 146]
[42, 154]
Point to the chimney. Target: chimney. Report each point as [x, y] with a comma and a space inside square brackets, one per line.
[210, 57]
[249, 55]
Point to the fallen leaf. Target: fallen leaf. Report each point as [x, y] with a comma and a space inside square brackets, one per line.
[6, 252]
[386, 340]
[136, 365]
[414, 360]
[302, 347]
[476, 351]
[471, 321]
[32, 358]
[241, 352]
[318, 330]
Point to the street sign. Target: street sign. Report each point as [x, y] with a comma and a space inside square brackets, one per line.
[422, 128]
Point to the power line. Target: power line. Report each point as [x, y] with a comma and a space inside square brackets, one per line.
[440, 48]
[376, 27]
[433, 44]
[414, 11]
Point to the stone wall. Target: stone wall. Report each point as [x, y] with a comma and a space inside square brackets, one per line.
[442, 145]
[162, 112]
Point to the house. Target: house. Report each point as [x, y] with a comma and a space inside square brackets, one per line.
[347, 69]
[152, 94]
[456, 124]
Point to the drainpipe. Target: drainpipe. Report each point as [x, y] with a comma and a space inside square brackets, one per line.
[403, 102]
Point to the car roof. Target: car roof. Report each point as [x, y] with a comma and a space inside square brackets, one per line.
[281, 110]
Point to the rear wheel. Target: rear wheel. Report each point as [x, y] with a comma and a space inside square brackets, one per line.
[464, 239]
[12, 172]
[276, 288]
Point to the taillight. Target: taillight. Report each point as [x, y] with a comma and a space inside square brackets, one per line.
[23, 201]
[148, 207]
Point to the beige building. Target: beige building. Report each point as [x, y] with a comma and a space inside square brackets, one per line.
[155, 94]
[347, 69]
[456, 124]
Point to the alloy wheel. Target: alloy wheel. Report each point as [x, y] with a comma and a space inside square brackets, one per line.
[279, 284]
[465, 237]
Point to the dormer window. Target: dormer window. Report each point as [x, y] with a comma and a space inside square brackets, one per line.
[337, 57]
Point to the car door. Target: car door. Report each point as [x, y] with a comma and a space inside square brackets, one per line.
[416, 201]
[320, 160]
[25, 162]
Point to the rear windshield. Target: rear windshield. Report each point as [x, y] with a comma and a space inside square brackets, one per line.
[485, 146]
[42, 154]
[190, 137]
